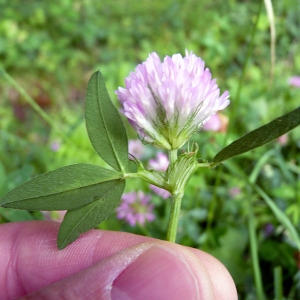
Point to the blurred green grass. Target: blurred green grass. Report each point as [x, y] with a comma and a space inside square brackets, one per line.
[52, 48]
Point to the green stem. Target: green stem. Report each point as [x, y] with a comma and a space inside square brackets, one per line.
[254, 254]
[172, 156]
[174, 217]
[278, 283]
[281, 216]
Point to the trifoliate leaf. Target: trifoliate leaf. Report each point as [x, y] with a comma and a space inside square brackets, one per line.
[82, 219]
[65, 188]
[105, 126]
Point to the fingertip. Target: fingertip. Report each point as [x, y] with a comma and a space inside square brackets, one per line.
[164, 271]
[151, 270]
[224, 286]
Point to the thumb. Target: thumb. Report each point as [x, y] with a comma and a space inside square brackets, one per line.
[151, 270]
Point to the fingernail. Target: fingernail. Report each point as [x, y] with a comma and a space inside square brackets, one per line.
[160, 273]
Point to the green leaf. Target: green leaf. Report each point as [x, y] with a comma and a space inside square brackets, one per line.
[105, 126]
[259, 136]
[65, 188]
[89, 216]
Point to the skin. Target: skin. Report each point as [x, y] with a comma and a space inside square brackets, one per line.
[105, 265]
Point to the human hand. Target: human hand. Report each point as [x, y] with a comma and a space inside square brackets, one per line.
[105, 265]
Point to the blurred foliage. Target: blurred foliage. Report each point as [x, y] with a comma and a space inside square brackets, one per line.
[52, 47]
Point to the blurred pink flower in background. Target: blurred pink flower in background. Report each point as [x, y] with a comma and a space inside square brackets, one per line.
[159, 191]
[136, 148]
[54, 146]
[213, 123]
[283, 140]
[57, 215]
[160, 163]
[234, 192]
[217, 122]
[294, 81]
[166, 102]
[268, 230]
[135, 208]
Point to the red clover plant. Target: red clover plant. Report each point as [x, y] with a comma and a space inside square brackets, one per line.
[166, 103]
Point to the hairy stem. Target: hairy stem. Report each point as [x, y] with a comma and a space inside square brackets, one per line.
[172, 156]
[174, 217]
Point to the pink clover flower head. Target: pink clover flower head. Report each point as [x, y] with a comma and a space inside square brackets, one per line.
[294, 81]
[166, 102]
[135, 208]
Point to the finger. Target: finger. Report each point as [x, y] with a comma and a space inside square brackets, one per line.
[224, 287]
[30, 260]
[151, 270]
[35, 262]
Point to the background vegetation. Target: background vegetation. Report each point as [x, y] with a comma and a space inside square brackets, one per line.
[50, 49]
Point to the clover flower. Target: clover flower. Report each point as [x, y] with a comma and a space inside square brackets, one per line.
[135, 208]
[166, 102]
